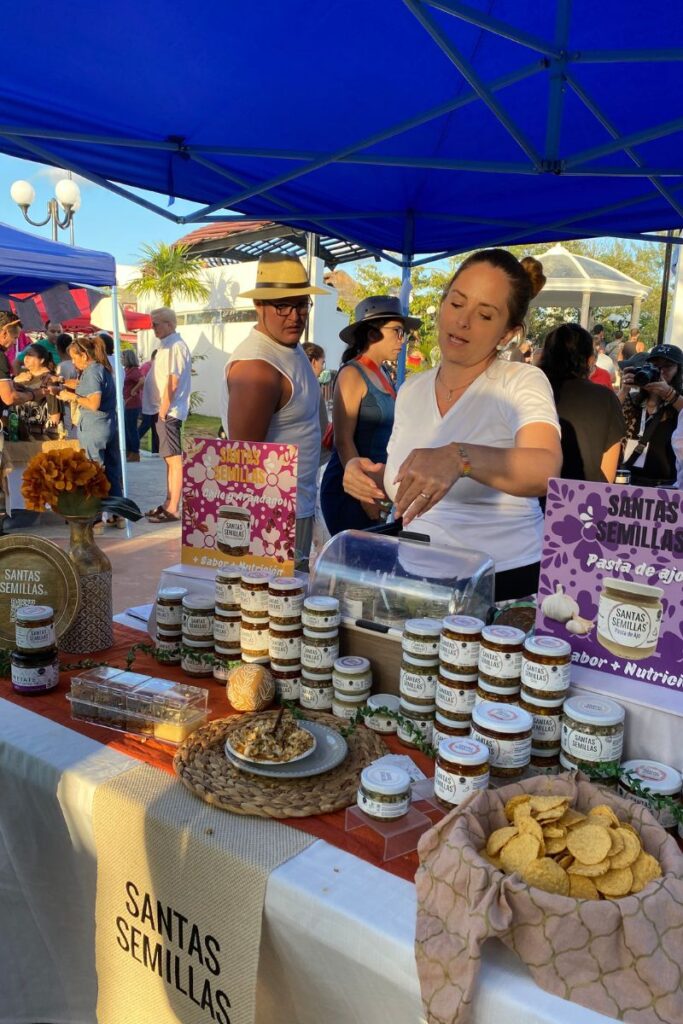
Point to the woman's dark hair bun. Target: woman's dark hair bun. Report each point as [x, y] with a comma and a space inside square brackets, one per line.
[533, 268]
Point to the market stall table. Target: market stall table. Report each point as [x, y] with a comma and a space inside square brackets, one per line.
[337, 941]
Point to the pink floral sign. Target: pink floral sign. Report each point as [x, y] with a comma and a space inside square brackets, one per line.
[239, 504]
[611, 579]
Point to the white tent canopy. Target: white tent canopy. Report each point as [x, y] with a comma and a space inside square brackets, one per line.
[582, 283]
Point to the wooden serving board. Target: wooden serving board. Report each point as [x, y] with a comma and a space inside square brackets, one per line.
[35, 571]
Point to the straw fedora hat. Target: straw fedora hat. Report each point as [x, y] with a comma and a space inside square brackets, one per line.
[377, 307]
[281, 277]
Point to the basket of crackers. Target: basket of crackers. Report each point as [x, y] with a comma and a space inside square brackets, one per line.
[583, 885]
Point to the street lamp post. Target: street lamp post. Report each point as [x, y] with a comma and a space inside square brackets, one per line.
[67, 195]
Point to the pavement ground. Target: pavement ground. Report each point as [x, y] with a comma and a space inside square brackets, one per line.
[137, 560]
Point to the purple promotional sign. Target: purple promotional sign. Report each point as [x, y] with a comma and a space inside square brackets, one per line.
[612, 579]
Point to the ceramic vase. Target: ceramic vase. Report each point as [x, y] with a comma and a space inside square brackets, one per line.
[93, 628]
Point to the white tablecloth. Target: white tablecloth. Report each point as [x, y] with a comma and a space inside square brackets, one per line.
[338, 933]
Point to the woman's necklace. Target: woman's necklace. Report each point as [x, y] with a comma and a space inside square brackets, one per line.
[451, 392]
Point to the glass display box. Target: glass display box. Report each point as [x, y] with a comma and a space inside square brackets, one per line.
[384, 580]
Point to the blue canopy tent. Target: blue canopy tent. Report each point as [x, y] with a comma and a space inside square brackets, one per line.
[408, 126]
[32, 265]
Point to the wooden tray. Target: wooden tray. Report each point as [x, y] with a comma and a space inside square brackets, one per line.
[35, 571]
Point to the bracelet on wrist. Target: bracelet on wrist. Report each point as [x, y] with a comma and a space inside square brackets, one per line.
[466, 464]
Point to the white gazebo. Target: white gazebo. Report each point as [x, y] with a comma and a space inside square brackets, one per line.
[582, 283]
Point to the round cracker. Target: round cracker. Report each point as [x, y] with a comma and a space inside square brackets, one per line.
[547, 875]
[644, 870]
[589, 844]
[617, 882]
[513, 802]
[518, 852]
[497, 840]
[547, 803]
[531, 826]
[554, 832]
[555, 845]
[571, 817]
[590, 870]
[582, 888]
[604, 810]
[630, 852]
[617, 842]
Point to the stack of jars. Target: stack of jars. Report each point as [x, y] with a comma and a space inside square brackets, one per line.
[35, 663]
[352, 682]
[418, 679]
[285, 604]
[319, 651]
[227, 621]
[500, 664]
[197, 635]
[169, 624]
[254, 623]
[546, 662]
[456, 686]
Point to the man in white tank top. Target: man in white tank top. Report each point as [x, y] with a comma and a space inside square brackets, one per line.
[270, 392]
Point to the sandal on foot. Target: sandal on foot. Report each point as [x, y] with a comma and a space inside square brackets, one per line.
[163, 516]
[155, 511]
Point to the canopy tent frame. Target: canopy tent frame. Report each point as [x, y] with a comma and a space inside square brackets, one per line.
[552, 58]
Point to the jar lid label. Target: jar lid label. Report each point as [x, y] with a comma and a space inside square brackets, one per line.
[423, 627]
[502, 717]
[463, 623]
[385, 779]
[286, 583]
[321, 604]
[34, 611]
[594, 710]
[351, 664]
[503, 634]
[550, 646]
[660, 778]
[463, 750]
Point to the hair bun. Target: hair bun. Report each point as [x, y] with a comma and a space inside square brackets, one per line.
[533, 268]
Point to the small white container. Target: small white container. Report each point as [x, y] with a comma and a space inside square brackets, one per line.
[660, 779]
[421, 638]
[315, 693]
[321, 613]
[458, 772]
[352, 675]
[384, 723]
[384, 792]
[346, 705]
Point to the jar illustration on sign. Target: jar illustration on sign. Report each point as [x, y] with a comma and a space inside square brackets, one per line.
[233, 530]
[629, 617]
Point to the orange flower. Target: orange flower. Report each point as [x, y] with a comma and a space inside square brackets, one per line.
[52, 474]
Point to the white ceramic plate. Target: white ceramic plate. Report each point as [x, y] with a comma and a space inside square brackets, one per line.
[330, 750]
[261, 761]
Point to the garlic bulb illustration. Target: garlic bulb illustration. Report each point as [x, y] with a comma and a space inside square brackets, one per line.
[559, 606]
[579, 626]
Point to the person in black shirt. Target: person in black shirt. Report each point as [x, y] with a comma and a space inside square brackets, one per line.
[10, 327]
[591, 419]
[651, 414]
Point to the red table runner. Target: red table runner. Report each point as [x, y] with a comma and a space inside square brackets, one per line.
[362, 842]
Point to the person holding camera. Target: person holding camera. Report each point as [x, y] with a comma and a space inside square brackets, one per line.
[650, 395]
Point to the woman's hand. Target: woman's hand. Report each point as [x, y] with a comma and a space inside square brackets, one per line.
[660, 389]
[23, 377]
[65, 396]
[424, 478]
[363, 480]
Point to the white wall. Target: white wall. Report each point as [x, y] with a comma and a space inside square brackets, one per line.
[217, 341]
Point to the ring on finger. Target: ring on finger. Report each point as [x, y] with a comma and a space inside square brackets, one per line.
[427, 497]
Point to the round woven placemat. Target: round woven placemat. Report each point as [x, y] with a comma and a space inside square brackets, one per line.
[202, 766]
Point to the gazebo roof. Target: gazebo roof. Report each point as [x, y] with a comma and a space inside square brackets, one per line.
[570, 277]
[244, 240]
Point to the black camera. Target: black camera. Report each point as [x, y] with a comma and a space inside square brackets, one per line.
[647, 374]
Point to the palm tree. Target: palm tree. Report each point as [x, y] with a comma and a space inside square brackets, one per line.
[168, 271]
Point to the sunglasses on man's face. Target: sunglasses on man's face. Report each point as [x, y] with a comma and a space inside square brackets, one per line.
[284, 309]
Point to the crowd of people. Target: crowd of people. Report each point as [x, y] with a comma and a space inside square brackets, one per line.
[463, 451]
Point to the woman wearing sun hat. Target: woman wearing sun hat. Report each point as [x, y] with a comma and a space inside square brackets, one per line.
[363, 407]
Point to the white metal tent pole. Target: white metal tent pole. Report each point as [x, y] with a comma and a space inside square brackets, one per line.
[118, 372]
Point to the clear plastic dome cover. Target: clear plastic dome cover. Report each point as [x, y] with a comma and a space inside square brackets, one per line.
[387, 579]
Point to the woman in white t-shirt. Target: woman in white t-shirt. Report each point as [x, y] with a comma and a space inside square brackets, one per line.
[475, 440]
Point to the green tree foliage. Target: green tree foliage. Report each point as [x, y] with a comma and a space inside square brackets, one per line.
[170, 272]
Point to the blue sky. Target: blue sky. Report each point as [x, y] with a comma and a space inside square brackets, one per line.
[105, 221]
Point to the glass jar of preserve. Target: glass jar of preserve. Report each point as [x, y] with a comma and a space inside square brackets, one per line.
[233, 530]
[498, 694]
[384, 721]
[462, 768]
[35, 628]
[254, 594]
[34, 673]
[319, 650]
[358, 602]
[547, 716]
[231, 653]
[316, 692]
[592, 731]
[545, 762]
[420, 717]
[226, 627]
[254, 636]
[228, 589]
[500, 655]
[284, 642]
[321, 613]
[169, 608]
[384, 792]
[417, 680]
[168, 645]
[197, 658]
[285, 598]
[345, 705]
[198, 612]
[455, 691]
[546, 664]
[352, 675]
[446, 727]
[659, 779]
[287, 680]
[421, 639]
[629, 617]
[223, 664]
[459, 644]
[506, 731]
